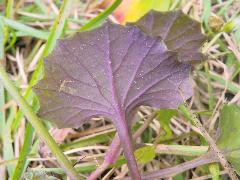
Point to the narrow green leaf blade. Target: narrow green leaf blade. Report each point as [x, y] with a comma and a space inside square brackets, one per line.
[22, 161]
[145, 154]
[95, 22]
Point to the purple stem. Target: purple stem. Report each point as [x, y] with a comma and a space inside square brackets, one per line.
[126, 143]
[164, 173]
[114, 149]
[169, 172]
[110, 158]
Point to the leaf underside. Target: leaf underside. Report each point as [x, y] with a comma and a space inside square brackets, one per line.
[109, 70]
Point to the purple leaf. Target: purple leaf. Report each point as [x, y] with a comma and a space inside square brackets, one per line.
[180, 33]
[110, 71]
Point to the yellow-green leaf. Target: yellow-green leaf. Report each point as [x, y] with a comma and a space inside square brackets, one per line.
[145, 154]
[138, 8]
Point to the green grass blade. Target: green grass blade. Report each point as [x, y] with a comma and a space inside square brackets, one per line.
[29, 31]
[206, 12]
[9, 9]
[224, 8]
[27, 146]
[88, 141]
[41, 6]
[82, 168]
[57, 27]
[8, 152]
[93, 23]
[211, 101]
[22, 161]
[2, 94]
[2, 39]
[231, 86]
